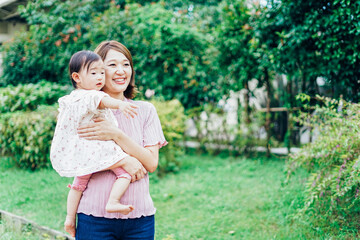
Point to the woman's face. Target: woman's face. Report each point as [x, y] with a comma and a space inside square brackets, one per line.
[117, 74]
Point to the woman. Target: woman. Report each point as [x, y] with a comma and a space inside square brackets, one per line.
[141, 137]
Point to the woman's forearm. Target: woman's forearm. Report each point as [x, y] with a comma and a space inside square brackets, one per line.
[104, 130]
[148, 156]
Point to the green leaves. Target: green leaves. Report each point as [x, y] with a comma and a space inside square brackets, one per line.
[56, 32]
[29, 96]
[172, 50]
[26, 136]
[333, 159]
[321, 41]
[172, 118]
[237, 59]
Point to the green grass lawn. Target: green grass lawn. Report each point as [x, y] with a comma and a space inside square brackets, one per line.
[210, 198]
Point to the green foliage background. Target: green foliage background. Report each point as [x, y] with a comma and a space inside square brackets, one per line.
[170, 55]
[311, 39]
[199, 52]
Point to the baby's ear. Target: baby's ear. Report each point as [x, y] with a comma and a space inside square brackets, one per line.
[75, 76]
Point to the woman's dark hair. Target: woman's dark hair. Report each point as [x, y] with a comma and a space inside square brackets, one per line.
[104, 47]
[81, 60]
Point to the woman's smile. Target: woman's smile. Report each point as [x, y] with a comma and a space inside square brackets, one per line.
[120, 80]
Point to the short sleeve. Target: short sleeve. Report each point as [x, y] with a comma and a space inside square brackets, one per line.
[153, 133]
[92, 99]
[62, 103]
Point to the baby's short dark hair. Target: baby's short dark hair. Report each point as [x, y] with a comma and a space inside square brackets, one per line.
[81, 60]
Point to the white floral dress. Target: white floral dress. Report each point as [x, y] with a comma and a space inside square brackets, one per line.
[73, 156]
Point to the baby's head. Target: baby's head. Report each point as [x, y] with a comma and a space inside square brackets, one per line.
[87, 71]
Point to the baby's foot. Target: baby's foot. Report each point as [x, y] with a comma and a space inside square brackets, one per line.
[69, 225]
[118, 207]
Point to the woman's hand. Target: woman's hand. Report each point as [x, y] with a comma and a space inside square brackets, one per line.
[100, 129]
[134, 168]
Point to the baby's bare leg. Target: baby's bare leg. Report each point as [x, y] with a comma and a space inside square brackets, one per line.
[73, 200]
[118, 189]
[120, 186]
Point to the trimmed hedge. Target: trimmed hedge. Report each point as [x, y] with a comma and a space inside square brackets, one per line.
[26, 136]
[28, 97]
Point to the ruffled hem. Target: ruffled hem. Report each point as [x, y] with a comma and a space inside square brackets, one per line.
[95, 197]
[77, 188]
[119, 216]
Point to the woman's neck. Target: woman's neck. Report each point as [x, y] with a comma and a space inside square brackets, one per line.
[119, 96]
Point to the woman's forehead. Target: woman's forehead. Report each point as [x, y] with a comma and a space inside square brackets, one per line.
[113, 55]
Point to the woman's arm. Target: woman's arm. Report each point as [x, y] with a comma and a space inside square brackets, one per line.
[103, 130]
[148, 156]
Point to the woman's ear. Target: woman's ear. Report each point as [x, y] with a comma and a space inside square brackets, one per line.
[76, 77]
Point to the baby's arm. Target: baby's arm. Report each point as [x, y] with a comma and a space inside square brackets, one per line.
[127, 108]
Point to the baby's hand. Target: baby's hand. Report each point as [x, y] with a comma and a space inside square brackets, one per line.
[128, 109]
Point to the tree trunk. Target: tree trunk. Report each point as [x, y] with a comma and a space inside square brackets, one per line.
[310, 128]
[268, 114]
[313, 89]
[238, 120]
[247, 104]
[249, 133]
[289, 114]
[355, 92]
[303, 86]
[239, 111]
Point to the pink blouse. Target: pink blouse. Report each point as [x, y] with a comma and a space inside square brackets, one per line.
[145, 129]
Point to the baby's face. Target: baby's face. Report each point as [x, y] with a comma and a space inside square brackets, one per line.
[93, 78]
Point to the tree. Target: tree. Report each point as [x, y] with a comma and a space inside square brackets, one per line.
[170, 56]
[317, 39]
[56, 32]
[235, 43]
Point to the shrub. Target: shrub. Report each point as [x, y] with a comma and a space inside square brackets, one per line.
[26, 136]
[172, 118]
[28, 97]
[332, 191]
